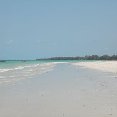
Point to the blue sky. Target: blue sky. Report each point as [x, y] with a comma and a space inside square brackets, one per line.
[32, 29]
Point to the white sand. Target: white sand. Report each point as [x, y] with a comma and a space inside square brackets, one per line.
[106, 66]
[65, 91]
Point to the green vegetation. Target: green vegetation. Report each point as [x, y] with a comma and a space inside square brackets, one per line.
[92, 57]
[89, 57]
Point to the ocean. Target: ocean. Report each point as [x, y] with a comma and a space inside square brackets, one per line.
[12, 71]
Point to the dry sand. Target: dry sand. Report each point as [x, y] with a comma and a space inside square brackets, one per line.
[106, 66]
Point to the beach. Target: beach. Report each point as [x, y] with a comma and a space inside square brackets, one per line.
[105, 66]
[59, 89]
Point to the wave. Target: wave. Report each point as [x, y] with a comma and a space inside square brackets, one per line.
[22, 72]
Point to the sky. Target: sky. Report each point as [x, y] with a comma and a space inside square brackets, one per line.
[31, 29]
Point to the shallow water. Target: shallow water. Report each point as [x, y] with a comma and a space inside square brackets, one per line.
[12, 71]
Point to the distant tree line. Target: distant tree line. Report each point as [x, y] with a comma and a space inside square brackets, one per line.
[88, 57]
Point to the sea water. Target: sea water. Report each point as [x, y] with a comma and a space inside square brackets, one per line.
[12, 71]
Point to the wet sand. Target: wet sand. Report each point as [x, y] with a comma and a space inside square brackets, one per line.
[67, 91]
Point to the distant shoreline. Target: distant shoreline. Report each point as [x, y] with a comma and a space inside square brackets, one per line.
[89, 57]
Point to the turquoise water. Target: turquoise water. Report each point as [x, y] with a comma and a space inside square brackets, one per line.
[12, 71]
[16, 63]
[13, 64]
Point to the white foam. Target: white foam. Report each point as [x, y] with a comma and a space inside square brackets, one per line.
[19, 67]
[23, 72]
[4, 70]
